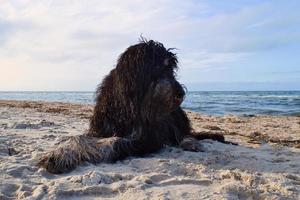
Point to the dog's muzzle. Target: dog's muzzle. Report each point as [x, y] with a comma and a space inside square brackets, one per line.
[179, 96]
[178, 101]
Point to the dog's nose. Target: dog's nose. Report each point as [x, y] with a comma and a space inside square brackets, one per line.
[178, 97]
[178, 100]
[179, 93]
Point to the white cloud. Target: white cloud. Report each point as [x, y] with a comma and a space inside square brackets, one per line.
[71, 45]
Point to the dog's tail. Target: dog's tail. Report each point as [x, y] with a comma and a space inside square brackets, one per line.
[77, 149]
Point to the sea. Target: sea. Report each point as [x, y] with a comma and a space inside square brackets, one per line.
[217, 103]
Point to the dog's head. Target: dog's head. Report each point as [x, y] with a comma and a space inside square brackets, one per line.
[150, 77]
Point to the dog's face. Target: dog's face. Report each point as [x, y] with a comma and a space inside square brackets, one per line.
[163, 93]
[150, 69]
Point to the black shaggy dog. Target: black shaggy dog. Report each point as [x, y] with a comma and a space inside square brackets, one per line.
[137, 112]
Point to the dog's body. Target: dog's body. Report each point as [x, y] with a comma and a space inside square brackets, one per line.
[137, 112]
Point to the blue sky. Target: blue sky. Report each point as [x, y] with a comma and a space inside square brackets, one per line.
[221, 45]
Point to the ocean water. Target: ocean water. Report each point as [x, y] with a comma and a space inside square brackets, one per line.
[205, 102]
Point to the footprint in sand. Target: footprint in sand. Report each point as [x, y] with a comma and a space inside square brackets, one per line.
[183, 181]
[166, 180]
[20, 171]
[8, 190]
[6, 150]
[94, 178]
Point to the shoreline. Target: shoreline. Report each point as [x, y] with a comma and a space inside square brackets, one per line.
[275, 103]
[37, 103]
[265, 164]
[257, 129]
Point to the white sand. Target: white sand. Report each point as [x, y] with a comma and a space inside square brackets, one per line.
[266, 164]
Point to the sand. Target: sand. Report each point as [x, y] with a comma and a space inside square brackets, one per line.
[265, 165]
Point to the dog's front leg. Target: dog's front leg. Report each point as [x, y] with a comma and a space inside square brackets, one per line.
[190, 143]
[77, 149]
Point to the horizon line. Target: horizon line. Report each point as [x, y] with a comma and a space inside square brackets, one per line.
[88, 91]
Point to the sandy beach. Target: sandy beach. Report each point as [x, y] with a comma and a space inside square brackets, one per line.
[265, 164]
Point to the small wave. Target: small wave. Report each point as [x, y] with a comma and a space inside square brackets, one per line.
[211, 103]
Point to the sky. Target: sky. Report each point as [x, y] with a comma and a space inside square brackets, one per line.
[69, 45]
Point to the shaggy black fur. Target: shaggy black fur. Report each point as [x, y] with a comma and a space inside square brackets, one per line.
[137, 112]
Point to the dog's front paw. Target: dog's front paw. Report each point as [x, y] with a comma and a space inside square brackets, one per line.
[58, 161]
[191, 144]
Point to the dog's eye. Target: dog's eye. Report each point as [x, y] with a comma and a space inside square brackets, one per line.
[168, 71]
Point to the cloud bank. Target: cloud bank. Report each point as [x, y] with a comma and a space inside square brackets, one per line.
[71, 45]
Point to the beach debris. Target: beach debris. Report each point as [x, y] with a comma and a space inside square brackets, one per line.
[30, 125]
[211, 127]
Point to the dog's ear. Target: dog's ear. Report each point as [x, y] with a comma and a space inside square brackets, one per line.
[131, 76]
